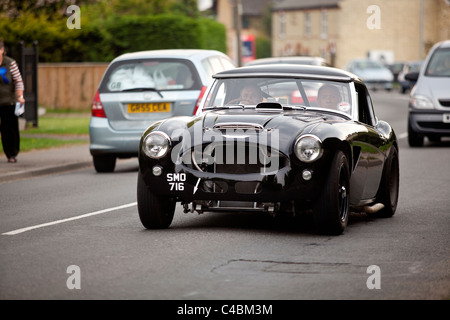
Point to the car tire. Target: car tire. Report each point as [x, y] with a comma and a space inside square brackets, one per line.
[389, 186]
[331, 210]
[414, 139]
[104, 163]
[155, 212]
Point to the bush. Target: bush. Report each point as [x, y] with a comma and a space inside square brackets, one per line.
[134, 33]
[263, 47]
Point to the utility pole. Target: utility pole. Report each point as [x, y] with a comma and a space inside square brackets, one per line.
[237, 8]
[421, 36]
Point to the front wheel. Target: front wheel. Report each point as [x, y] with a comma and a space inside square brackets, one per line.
[155, 212]
[414, 139]
[331, 210]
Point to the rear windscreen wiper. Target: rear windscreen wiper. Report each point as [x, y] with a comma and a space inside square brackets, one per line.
[143, 89]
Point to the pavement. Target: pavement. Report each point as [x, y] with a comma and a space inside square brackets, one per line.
[48, 161]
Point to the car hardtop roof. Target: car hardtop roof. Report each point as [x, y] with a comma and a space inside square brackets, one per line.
[168, 53]
[288, 71]
[286, 59]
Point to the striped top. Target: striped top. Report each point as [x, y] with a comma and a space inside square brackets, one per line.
[15, 73]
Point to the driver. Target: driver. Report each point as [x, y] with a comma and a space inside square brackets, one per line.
[328, 97]
[250, 94]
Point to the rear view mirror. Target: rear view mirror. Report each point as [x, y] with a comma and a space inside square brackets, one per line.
[412, 76]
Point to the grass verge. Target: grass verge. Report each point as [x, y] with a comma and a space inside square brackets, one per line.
[55, 130]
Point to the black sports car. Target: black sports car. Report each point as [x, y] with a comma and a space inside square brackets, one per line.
[282, 139]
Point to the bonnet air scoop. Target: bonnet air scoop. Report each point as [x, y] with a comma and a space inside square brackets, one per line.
[238, 125]
[269, 106]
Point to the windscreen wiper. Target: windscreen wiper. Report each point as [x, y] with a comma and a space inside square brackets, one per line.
[294, 108]
[234, 106]
[143, 89]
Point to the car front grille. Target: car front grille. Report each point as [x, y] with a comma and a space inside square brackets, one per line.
[444, 102]
[234, 157]
[434, 125]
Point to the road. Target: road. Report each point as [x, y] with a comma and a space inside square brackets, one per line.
[77, 235]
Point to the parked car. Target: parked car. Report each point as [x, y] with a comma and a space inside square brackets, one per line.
[396, 68]
[429, 105]
[143, 87]
[248, 149]
[315, 61]
[374, 74]
[404, 84]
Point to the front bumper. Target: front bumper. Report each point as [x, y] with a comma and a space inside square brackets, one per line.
[186, 184]
[429, 122]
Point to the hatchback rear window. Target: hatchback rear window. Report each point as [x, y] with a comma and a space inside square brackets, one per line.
[439, 65]
[153, 74]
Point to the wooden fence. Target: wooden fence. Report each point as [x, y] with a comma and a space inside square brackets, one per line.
[68, 85]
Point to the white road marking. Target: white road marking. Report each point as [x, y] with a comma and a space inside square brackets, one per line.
[403, 135]
[14, 232]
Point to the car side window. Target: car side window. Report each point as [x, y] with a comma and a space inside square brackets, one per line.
[216, 64]
[226, 64]
[365, 107]
[208, 68]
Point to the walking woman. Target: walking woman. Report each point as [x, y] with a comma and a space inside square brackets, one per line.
[11, 91]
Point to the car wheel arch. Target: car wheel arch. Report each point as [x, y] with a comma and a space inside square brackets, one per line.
[352, 153]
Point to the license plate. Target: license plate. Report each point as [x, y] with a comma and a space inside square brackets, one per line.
[148, 107]
[446, 118]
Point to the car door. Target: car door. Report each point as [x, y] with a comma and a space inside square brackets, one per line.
[370, 144]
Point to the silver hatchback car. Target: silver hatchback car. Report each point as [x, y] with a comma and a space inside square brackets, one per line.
[140, 88]
[429, 105]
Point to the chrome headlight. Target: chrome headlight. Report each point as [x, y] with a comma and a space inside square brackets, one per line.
[156, 144]
[421, 102]
[308, 148]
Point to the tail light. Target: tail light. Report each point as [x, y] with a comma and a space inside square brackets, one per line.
[197, 104]
[97, 107]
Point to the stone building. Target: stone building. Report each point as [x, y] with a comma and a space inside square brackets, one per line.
[340, 30]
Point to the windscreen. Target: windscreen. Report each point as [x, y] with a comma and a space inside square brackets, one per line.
[249, 92]
[439, 65]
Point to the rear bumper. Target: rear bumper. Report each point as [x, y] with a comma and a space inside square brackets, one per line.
[106, 141]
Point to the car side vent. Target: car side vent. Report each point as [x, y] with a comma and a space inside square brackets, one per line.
[444, 102]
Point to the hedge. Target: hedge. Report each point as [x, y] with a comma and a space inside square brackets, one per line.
[104, 40]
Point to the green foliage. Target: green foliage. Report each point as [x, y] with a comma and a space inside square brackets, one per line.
[263, 47]
[110, 28]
